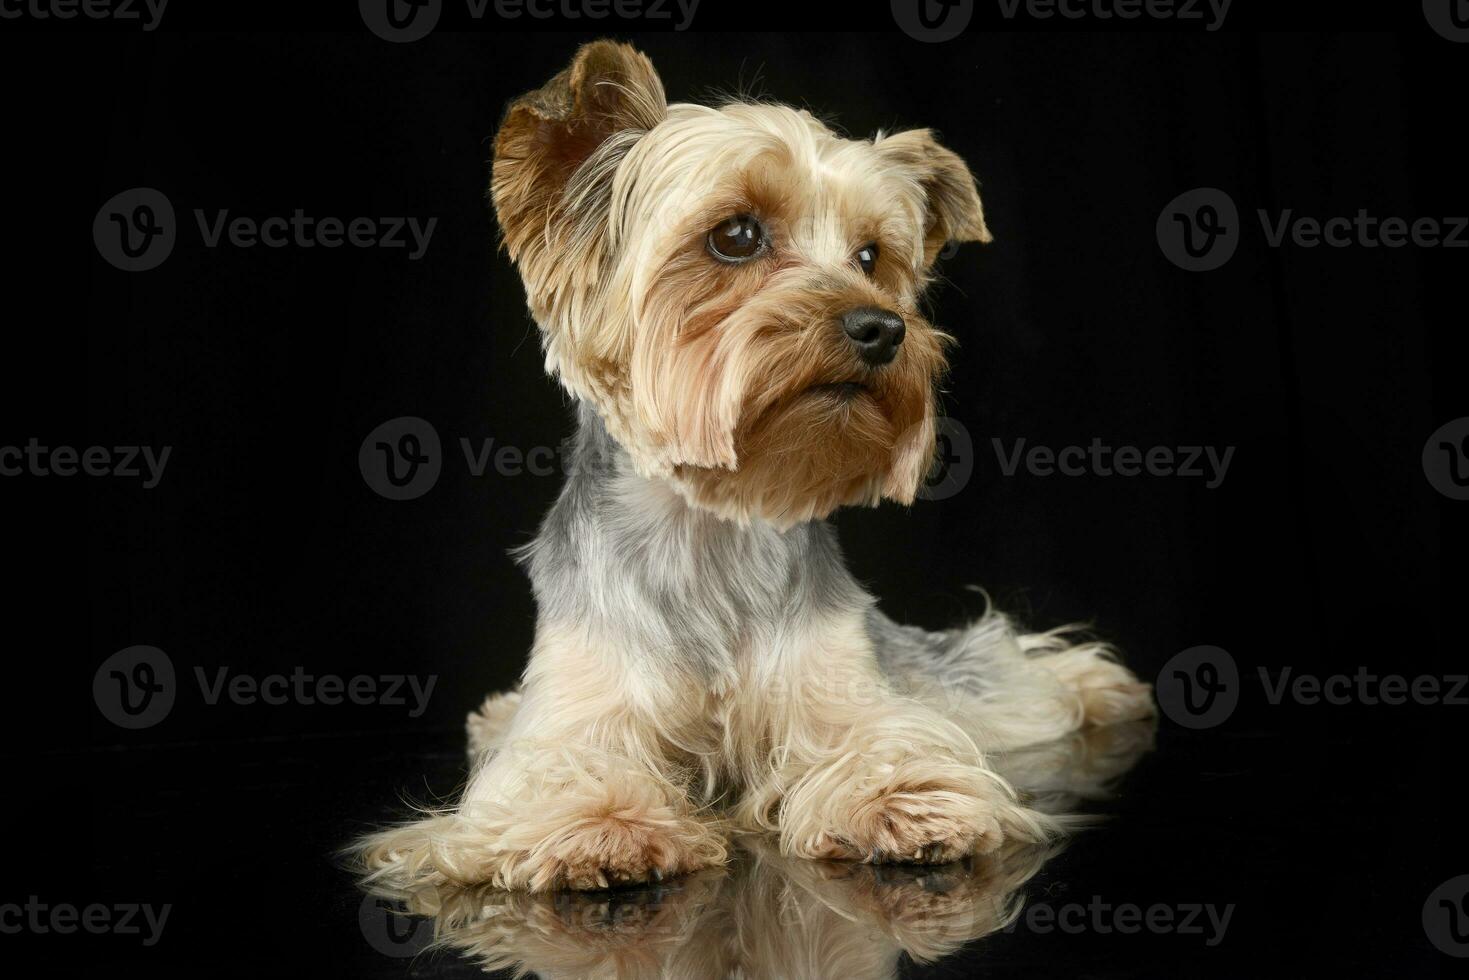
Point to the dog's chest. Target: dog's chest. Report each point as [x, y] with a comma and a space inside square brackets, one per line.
[682, 591]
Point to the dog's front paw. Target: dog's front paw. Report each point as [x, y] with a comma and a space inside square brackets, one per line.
[918, 824]
[620, 847]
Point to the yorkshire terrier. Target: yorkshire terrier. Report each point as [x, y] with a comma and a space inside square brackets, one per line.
[730, 295]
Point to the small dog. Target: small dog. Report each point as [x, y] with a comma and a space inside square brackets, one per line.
[730, 296]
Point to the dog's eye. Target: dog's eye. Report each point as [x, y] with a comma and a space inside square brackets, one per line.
[867, 257]
[736, 239]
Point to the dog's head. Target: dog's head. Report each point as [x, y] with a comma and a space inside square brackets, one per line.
[734, 289]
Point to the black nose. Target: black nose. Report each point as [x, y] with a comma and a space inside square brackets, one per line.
[875, 333]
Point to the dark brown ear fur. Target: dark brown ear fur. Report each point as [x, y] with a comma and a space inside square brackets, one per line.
[608, 88]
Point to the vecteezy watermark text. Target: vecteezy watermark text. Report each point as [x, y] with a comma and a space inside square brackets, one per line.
[63, 918]
[933, 21]
[126, 462]
[1211, 12]
[1364, 230]
[1200, 688]
[136, 230]
[1208, 463]
[1199, 230]
[136, 688]
[1364, 687]
[402, 21]
[304, 231]
[1126, 918]
[147, 12]
[301, 687]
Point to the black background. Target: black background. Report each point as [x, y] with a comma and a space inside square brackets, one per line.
[264, 549]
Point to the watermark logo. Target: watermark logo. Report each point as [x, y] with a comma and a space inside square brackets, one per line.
[389, 929]
[932, 21]
[135, 688]
[136, 229]
[1446, 459]
[1199, 688]
[400, 21]
[1199, 229]
[402, 458]
[1448, 18]
[1446, 917]
[953, 462]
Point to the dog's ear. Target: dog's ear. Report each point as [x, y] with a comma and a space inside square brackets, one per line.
[607, 90]
[954, 211]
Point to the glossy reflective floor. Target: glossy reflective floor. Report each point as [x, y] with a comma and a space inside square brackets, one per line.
[1270, 845]
[767, 916]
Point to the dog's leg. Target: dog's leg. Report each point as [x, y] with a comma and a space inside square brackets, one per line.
[843, 766]
[1008, 689]
[582, 792]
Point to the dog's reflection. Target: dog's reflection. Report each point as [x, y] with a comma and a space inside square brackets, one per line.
[767, 917]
